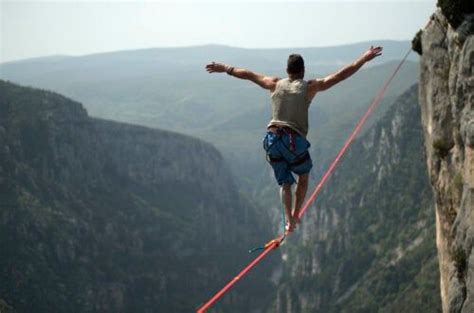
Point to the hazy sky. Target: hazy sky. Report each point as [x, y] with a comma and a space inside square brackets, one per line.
[39, 28]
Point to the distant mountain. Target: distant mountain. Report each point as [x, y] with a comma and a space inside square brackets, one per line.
[180, 58]
[368, 243]
[100, 216]
[168, 88]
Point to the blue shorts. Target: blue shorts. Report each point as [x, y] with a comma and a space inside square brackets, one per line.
[287, 155]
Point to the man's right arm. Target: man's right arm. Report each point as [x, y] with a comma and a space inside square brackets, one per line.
[266, 82]
[327, 82]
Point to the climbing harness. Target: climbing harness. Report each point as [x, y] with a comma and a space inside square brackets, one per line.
[280, 132]
[275, 243]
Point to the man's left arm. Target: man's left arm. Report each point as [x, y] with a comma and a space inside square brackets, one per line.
[266, 82]
[327, 82]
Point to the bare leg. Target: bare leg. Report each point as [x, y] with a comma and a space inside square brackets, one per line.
[286, 198]
[300, 194]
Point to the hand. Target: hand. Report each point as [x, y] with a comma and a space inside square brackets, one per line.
[372, 53]
[216, 67]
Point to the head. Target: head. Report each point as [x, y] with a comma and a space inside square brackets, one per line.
[295, 67]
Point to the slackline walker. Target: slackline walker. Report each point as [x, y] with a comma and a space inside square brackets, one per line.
[275, 243]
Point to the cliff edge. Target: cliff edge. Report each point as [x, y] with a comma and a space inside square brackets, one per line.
[446, 96]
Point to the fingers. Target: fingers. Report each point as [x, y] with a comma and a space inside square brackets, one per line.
[210, 68]
[375, 52]
[377, 49]
[210, 65]
[215, 67]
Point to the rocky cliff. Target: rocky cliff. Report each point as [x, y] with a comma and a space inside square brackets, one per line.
[447, 102]
[368, 242]
[99, 216]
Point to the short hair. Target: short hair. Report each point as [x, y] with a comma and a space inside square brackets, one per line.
[295, 64]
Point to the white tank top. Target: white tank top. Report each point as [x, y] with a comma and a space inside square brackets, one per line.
[290, 106]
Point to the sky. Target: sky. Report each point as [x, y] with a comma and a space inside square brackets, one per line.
[40, 28]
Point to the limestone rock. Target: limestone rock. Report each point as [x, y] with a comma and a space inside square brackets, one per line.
[447, 102]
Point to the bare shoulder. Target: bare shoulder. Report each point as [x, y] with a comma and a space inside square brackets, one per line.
[271, 82]
[314, 85]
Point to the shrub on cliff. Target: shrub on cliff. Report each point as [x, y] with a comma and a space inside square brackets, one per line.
[416, 43]
[454, 10]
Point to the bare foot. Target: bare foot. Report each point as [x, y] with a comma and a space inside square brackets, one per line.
[290, 226]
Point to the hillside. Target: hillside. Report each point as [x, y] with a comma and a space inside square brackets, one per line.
[99, 216]
[368, 243]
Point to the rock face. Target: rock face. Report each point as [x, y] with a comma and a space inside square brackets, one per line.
[447, 103]
[368, 243]
[99, 216]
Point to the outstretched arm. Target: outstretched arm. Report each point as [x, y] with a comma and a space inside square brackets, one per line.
[327, 82]
[263, 81]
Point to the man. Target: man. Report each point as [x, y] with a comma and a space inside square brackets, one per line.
[285, 142]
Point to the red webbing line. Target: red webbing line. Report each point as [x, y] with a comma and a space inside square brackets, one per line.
[274, 243]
